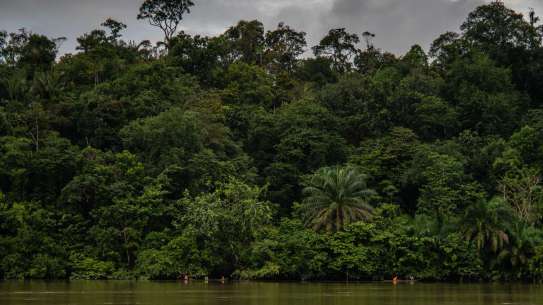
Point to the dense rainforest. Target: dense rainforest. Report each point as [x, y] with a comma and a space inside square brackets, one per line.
[252, 155]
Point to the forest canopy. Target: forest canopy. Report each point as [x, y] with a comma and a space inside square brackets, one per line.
[253, 155]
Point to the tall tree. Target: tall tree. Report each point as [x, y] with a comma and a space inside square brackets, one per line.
[511, 40]
[283, 46]
[115, 28]
[498, 29]
[340, 47]
[165, 14]
[246, 41]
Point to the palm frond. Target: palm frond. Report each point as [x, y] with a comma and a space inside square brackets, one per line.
[335, 197]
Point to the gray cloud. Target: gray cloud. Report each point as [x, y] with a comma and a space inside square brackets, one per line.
[397, 23]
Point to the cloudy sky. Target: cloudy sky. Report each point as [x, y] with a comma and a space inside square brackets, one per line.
[397, 23]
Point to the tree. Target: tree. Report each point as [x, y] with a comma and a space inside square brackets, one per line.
[510, 39]
[3, 42]
[372, 60]
[115, 27]
[246, 41]
[91, 41]
[165, 14]
[340, 47]
[31, 174]
[335, 197]
[33, 246]
[446, 48]
[351, 100]
[225, 222]
[199, 56]
[483, 95]
[192, 149]
[283, 47]
[498, 29]
[523, 190]
[29, 51]
[288, 251]
[300, 147]
[104, 55]
[318, 70]
[435, 118]
[248, 84]
[486, 223]
[444, 187]
[416, 58]
[524, 240]
[518, 168]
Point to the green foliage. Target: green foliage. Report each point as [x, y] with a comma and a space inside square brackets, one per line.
[496, 26]
[535, 264]
[335, 197]
[444, 185]
[87, 268]
[32, 172]
[143, 91]
[215, 232]
[487, 224]
[340, 47]
[30, 235]
[246, 41]
[28, 51]
[199, 56]
[523, 245]
[242, 156]
[247, 84]
[272, 255]
[483, 94]
[283, 47]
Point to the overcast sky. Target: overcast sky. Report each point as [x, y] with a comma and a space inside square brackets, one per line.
[397, 23]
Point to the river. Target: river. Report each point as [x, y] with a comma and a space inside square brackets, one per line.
[253, 293]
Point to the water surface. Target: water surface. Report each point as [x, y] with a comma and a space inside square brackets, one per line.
[245, 293]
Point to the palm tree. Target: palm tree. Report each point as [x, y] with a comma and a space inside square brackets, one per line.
[335, 197]
[524, 240]
[486, 223]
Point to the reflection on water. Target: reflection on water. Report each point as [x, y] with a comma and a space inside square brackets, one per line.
[170, 293]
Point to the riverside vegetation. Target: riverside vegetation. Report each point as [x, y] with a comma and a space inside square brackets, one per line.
[243, 156]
